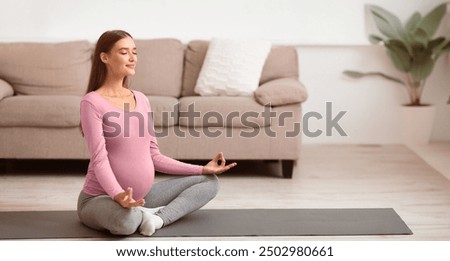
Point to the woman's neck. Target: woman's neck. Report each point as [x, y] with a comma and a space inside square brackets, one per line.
[113, 87]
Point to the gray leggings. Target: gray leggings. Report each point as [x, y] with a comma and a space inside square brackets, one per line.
[180, 196]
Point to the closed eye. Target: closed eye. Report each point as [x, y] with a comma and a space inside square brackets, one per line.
[124, 51]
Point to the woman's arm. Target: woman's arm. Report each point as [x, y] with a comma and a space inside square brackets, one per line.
[168, 165]
[92, 125]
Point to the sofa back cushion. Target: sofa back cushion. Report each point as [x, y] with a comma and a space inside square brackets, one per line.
[282, 62]
[46, 68]
[40, 111]
[159, 69]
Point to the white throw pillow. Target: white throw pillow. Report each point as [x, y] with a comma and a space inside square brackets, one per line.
[232, 67]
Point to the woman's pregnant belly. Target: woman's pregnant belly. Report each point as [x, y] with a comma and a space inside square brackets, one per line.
[133, 171]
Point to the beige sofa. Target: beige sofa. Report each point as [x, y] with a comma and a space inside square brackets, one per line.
[41, 85]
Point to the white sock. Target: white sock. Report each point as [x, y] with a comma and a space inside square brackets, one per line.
[150, 223]
[150, 210]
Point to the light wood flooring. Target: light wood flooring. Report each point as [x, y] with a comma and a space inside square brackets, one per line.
[413, 181]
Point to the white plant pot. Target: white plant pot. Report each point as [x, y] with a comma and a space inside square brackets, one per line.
[416, 124]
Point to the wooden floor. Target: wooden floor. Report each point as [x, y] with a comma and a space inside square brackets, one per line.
[327, 176]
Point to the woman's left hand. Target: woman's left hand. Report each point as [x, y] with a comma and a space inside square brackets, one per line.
[217, 165]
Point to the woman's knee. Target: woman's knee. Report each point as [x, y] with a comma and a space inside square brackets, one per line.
[213, 185]
[126, 224]
[122, 231]
[102, 213]
[211, 178]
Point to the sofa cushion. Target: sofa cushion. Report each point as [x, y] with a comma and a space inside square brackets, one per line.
[40, 111]
[5, 89]
[193, 61]
[165, 110]
[281, 62]
[221, 111]
[232, 67]
[282, 91]
[46, 68]
[159, 69]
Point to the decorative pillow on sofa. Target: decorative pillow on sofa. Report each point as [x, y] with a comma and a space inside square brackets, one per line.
[281, 91]
[232, 67]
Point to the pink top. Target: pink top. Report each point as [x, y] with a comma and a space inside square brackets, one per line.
[123, 150]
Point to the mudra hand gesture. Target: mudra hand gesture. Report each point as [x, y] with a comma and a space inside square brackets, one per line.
[125, 199]
[217, 165]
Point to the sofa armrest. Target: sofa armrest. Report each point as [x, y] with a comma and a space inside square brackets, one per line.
[5, 89]
[281, 91]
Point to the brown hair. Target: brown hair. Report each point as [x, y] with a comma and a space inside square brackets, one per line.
[104, 45]
[98, 70]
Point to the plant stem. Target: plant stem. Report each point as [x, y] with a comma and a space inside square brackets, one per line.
[414, 92]
[420, 89]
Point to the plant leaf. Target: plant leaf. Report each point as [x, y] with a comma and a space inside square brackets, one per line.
[354, 74]
[413, 22]
[421, 36]
[422, 71]
[374, 39]
[390, 78]
[399, 55]
[387, 23]
[435, 46]
[421, 54]
[430, 22]
[435, 43]
[357, 75]
[444, 49]
[385, 28]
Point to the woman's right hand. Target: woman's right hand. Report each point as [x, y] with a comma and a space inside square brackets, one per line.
[217, 165]
[125, 199]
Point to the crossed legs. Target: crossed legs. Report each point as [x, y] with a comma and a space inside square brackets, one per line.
[168, 200]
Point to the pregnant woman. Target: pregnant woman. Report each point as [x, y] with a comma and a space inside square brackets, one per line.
[118, 194]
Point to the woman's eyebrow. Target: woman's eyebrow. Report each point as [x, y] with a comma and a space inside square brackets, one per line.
[126, 48]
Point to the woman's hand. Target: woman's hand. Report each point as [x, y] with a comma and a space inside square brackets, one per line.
[125, 199]
[217, 165]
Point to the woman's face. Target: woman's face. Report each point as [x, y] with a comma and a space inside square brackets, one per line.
[121, 59]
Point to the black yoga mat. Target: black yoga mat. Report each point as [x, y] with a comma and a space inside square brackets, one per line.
[219, 223]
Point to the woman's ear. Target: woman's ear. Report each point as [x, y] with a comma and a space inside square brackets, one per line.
[104, 57]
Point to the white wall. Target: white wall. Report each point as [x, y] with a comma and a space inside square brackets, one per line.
[331, 36]
[372, 105]
[289, 21]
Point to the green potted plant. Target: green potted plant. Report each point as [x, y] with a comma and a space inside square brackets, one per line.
[412, 48]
